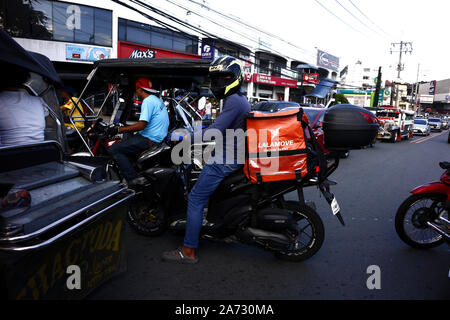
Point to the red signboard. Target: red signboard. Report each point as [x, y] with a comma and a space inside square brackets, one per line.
[137, 51]
[311, 78]
[275, 81]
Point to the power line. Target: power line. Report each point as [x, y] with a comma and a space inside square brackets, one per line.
[231, 30]
[203, 17]
[339, 18]
[357, 18]
[247, 25]
[185, 24]
[208, 34]
[369, 19]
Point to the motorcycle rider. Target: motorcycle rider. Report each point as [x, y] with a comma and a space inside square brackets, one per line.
[226, 79]
[152, 127]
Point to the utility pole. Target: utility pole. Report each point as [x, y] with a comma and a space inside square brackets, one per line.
[416, 98]
[405, 47]
[377, 90]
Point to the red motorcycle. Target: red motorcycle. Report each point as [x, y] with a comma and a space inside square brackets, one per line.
[422, 220]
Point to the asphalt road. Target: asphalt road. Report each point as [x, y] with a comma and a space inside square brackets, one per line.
[373, 182]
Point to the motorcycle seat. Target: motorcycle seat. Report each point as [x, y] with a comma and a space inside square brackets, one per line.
[152, 151]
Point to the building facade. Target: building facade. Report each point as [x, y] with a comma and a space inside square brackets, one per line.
[74, 34]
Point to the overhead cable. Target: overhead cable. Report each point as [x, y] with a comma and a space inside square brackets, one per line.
[362, 22]
[356, 30]
[369, 19]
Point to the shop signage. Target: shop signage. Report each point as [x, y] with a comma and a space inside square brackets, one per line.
[142, 53]
[311, 78]
[275, 81]
[137, 51]
[82, 53]
[328, 61]
[207, 51]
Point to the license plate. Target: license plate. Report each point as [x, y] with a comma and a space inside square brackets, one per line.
[335, 206]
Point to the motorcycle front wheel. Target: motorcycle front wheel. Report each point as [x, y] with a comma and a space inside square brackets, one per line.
[412, 217]
[309, 236]
[146, 218]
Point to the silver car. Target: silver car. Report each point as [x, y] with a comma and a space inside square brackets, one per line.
[421, 127]
[435, 124]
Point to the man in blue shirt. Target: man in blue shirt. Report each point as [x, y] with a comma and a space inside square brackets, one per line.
[152, 127]
[226, 79]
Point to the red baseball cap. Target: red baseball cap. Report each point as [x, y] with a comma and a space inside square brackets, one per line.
[145, 84]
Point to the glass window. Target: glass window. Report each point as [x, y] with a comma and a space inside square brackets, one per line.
[311, 114]
[264, 66]
[41, 20]
[138, 32]
[122, 30]
[54, 20]
[420, 122]
[181, 43]
[85, 32]
[62, 26]
[162, 38]
[103, 27]
[15, 18]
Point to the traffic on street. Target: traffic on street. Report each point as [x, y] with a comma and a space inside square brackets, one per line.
[343, 266]
[145, 156]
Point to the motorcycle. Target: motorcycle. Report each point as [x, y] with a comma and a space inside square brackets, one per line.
[257, 214]
[422, 220]
[239, 211]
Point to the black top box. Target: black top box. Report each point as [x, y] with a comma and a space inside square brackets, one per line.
[348, 126]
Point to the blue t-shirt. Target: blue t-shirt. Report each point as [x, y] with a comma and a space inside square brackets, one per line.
[154, 112]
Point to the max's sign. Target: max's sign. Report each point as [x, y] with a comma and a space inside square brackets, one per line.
[142, 54]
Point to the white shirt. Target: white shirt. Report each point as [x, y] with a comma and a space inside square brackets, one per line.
[22, 118]
[208, 108]
[201, 103]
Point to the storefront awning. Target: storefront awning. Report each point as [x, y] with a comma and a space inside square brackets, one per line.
[323, 88]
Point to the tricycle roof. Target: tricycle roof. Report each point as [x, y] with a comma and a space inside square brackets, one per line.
[179, 67]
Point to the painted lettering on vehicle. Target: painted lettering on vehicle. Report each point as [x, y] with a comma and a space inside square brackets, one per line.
[105, 238]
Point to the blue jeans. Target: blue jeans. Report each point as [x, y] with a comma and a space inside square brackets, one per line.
[122, 152]
[208, 181]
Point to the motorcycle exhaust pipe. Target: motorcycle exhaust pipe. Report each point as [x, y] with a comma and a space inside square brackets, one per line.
[438, 230]
[93, 174]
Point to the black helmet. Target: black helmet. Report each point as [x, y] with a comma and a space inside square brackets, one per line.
[226, 76]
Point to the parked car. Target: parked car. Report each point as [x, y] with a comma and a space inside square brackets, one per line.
[421, 127]
[435, 124]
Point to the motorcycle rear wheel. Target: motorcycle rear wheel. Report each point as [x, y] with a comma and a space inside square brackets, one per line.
[411, 219]
[309, 225]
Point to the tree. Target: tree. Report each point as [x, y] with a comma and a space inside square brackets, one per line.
[339, 98]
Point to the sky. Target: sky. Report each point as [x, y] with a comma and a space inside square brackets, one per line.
[366, 35]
